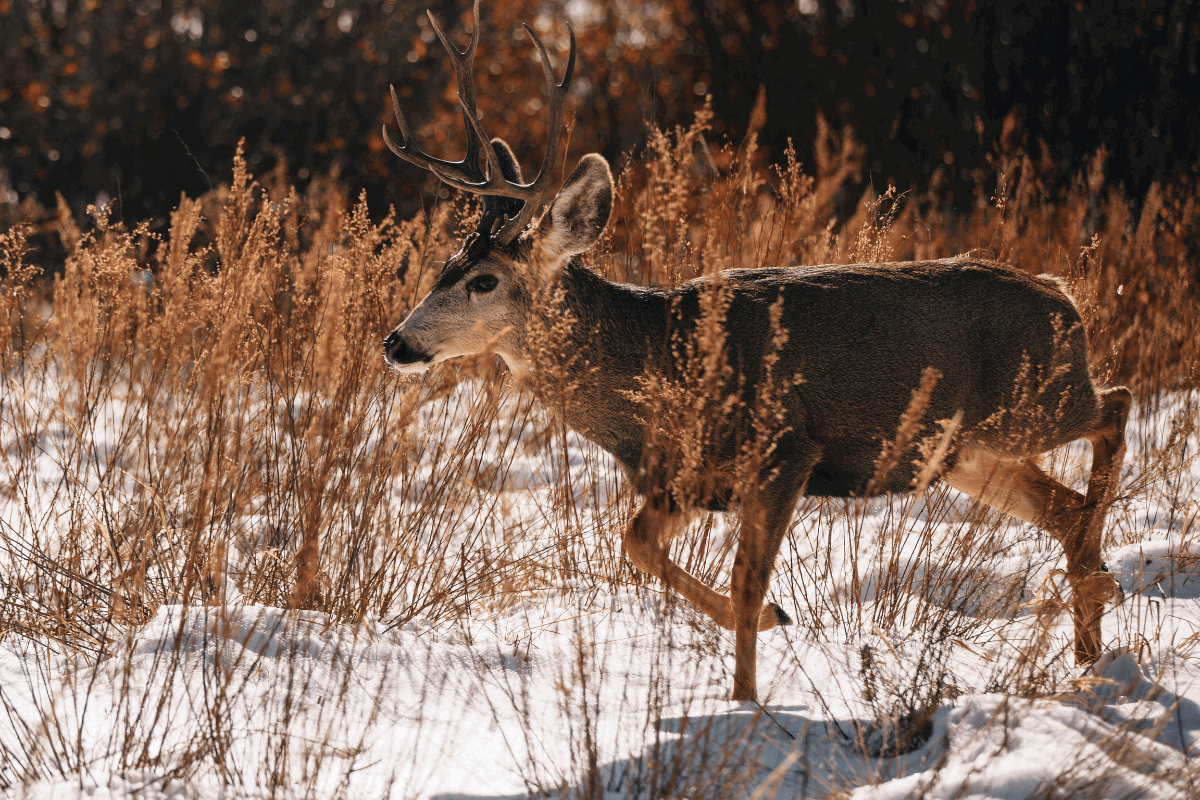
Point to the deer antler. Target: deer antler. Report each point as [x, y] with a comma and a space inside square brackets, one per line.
[466, 174]
[463, 62]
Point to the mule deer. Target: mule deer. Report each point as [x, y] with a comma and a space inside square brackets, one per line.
[1009, 348]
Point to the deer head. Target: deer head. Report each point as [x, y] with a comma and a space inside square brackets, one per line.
[486, 291]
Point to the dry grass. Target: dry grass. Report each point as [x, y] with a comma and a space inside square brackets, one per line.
[203, 418]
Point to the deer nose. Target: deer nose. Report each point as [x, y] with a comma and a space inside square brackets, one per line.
[392, 345]
[389, 346]
[398, 352]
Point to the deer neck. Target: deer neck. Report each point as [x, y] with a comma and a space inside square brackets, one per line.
[590, 364]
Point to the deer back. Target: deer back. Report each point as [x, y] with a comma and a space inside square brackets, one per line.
[1008, 348]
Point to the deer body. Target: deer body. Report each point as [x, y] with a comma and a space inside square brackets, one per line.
[860, 335]
[845, 345]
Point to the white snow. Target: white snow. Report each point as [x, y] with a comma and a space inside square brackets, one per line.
[612, 690]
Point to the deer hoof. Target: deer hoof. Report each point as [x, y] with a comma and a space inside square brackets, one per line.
[771, 616]
[1100, 587]
[1118, 595]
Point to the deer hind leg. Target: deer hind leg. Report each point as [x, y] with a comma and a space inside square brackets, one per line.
[1023, 490]
[646, 542]
[1092, 586]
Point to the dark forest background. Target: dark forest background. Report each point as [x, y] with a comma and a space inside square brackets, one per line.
[135, 101]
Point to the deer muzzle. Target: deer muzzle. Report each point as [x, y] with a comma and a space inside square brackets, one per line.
[404, 355]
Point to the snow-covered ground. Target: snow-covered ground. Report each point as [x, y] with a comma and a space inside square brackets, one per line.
[916, 668]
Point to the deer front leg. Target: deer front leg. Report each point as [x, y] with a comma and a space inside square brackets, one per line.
[646, 542]
[765, 519]
[762, 530]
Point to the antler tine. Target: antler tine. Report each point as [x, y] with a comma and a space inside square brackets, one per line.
[413, 156]
[494, 183]
[532, 193]
[464, 75]
[541, 184]
[466, 170]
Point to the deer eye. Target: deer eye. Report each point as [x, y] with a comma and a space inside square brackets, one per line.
[483, 284]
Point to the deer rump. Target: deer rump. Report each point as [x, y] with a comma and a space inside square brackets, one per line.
[1007, 345]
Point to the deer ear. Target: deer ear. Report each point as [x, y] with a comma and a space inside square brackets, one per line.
[508, 161]
[499, 206]
[580, 211]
